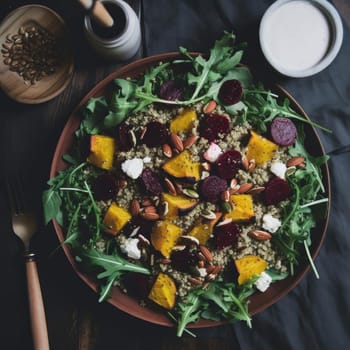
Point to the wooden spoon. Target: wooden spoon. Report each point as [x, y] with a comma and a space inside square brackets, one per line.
[98, 12]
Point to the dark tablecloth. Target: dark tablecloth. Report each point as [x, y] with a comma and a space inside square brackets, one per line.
[316, 314]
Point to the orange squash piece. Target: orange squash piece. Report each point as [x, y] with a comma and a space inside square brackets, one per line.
[164, 236]
[243, 208]
[163, 291]
[182, 167]
[115, 219]
[204, 229]
[184, 122]
[102, 149]
[260, 149]
[249, 266]
[177, 205]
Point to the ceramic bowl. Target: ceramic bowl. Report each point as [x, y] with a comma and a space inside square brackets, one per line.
[296, 31]
[258, 301]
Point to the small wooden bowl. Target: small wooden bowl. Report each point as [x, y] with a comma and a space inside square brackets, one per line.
[46, 87]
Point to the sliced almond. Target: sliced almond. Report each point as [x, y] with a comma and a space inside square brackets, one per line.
[194, 281]
[165, 261]
[143, 132]
[245, 162]
[122, 184]
[146, 202]
[225, 196]
[206, 166]
[209, 107]
[259, 235]
[167, 151]
[132, 138]
[206, 252]
[256, 190]
[244, 188]
[190, 141]
[134, 207]
[233, 183]
[170, 186]
[295, 161]
[164, 208]
[217, 269]
[224, 222]
[150, 216]
[251, 165]
[176, 142]
[150, 209]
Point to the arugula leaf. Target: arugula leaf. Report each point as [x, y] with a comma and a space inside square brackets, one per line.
[112, 266]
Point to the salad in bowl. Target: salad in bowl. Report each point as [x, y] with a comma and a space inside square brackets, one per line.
[189, 189]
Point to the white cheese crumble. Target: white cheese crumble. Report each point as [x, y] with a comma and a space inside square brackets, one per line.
[279, 169]
[130, 248]
[133, 167]
[147, 160]
[212, 153]
[202, 271]
[271, 223]
[263, 282]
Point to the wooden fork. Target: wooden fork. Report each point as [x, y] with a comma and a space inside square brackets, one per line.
[24, 225]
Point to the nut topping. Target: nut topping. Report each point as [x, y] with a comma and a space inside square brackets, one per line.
[295, 161]
[259, 235]
[176, 142]
[206, 252]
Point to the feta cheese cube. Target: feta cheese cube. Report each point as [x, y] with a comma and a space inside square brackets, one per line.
[133, 167]
[263, 282]
[131, 249]
[271, 223]
[212, 153]
[279, 169]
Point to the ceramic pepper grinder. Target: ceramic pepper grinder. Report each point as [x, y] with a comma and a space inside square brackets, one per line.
[120, 41]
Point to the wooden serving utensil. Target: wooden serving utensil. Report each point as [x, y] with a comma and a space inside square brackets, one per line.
[98, 12]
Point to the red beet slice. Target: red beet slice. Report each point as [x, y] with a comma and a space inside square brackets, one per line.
[105, 187]
[151, 181]
[138, 285]
[124, 143]
[156, 134]
[212, 187]
[283, 131]
[230, 92]
[226, 235]
[212, 125]
[171, 90]
[184, 260]
[277, 190]
[228, 164]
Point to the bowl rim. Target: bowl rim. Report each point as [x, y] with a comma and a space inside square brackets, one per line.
[124, 302]
[336, 28]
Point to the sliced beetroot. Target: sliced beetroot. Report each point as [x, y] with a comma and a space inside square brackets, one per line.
[155, 135]
[283, 131]
[277, 190]
[212, 187]
[151, 181]
[228, 164]
[226, 235]
[212, 125]
[124, 143]
[138, 285]
[105, 187]
[171, 90]
[184, 260]
[230, 92]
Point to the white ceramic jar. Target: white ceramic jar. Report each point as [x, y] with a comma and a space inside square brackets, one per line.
[120, 42]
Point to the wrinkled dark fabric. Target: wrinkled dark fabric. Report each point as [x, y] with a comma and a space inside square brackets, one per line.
[316, 314]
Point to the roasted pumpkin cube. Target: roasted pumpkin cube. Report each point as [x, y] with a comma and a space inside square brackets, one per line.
[178, 205]
[260, 149]
[249, 266]
[203, 229]
[243, 208]
[115, 218]
[184, 122]
[163, 291]
[182, 167]
[102, 149]
[164, 236]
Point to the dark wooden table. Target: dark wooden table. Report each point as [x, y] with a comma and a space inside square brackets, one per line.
[28, 135]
